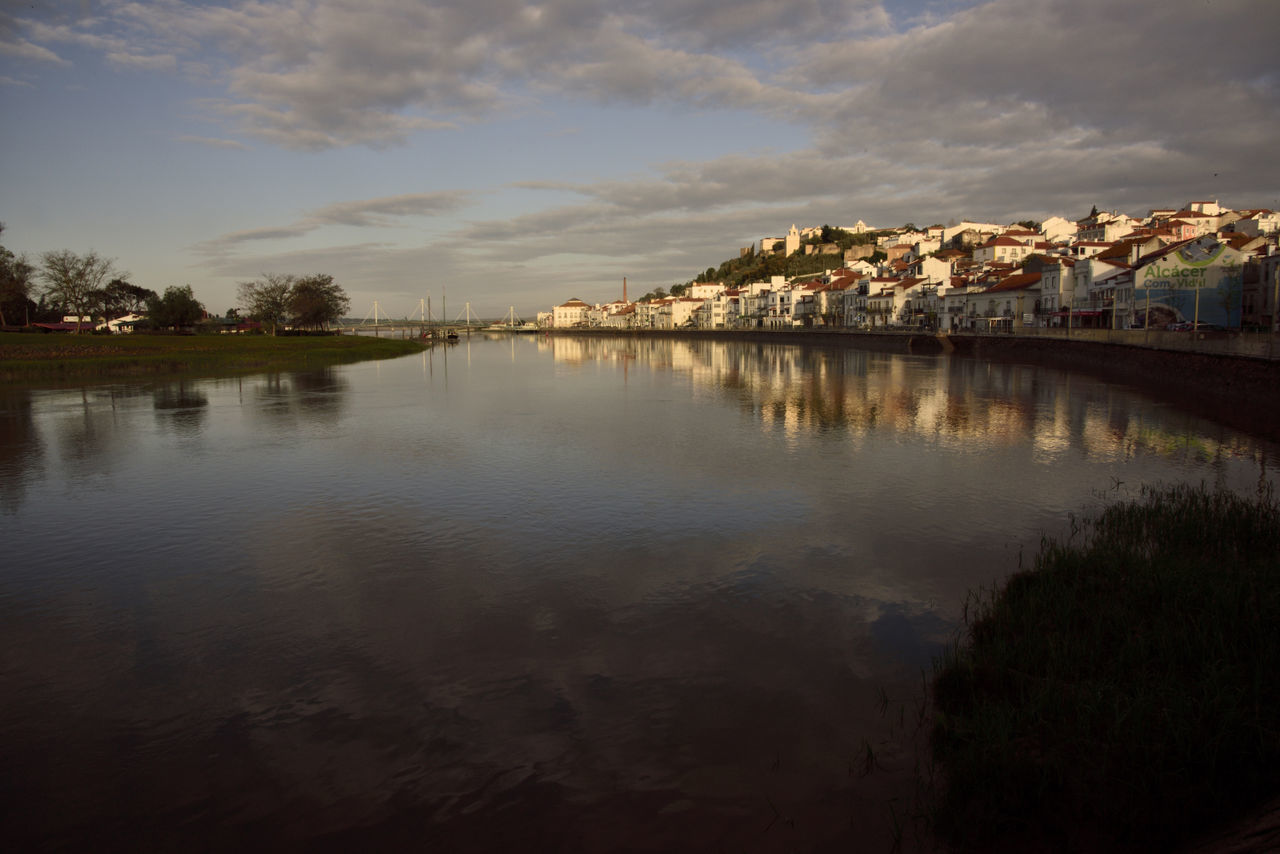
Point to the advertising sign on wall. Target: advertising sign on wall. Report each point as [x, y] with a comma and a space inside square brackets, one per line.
[1202, 281]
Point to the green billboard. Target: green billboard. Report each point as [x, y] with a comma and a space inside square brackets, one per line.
[1201, 281]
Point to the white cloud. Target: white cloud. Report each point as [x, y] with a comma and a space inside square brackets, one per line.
[364, 213]
[137, 62]
[25, 51]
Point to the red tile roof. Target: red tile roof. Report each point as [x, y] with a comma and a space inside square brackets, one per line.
[1015, 283]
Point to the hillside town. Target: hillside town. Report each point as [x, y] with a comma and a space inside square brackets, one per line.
[1200, 266]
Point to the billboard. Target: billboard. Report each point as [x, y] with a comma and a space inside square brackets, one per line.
[1202, 281]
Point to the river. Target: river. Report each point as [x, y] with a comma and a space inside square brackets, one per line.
[527, 593]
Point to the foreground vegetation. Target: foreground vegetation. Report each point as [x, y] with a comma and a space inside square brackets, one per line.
[1123, 693]
[43, 358]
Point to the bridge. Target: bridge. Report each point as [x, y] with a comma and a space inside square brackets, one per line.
[388, 328]
[425, 326]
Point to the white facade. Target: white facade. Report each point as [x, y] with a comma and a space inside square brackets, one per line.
[1107, 230]
[726, 310]
[683, 310]
[120, 324]
[572, 313]
[1057, 286]
[705, 290]
[1058, 230]
[1207, 208]
[954, 308]
[777, 308]
[980, 227]
[1005, 250]
[1263, 222]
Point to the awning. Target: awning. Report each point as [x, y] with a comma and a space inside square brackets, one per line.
[1079, 312]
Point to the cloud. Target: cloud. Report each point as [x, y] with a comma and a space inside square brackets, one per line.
[378, 212]
[921, 110]
[136, 62]
[323, 74]
[716, 24]
[365, 213]
[214, 142]
[25, 51]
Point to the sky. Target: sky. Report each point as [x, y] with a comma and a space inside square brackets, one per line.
[504, 154]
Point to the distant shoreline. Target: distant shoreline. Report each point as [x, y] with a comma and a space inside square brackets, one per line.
[43, 359]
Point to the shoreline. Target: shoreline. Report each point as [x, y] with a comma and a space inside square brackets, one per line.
[43, 359]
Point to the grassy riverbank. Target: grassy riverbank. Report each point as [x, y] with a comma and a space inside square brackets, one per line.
[46, 358]
[1124, 693]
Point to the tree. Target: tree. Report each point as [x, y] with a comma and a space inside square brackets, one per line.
[121, 297]
[267, 299]
[71, 280]
[177, 308]
[15, 284]
[316, 301]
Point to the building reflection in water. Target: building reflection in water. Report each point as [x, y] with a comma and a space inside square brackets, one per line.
[955, 402]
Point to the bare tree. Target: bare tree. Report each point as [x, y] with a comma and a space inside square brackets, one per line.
[267, 299]
[72, 280]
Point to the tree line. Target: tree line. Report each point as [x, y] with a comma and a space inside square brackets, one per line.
[305, 302]
[63, 283]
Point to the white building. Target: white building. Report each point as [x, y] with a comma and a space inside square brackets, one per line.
[726, 309]
[979, 227]
[570, 314]
[683, 310]
[1258, 223]
[120, 324]
[1056, 229]
[705, 290]
[1006, 250]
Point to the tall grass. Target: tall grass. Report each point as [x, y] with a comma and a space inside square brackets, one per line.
[1125, 692]
[42, 358]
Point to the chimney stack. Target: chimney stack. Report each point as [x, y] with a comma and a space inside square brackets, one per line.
[624, 290]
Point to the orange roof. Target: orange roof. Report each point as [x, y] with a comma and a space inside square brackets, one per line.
[1015, 283]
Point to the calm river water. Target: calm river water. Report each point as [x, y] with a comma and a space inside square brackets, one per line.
[566, 594]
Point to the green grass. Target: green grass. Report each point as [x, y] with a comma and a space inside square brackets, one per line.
[1125, 692]
[43, 358]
